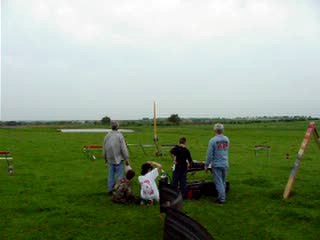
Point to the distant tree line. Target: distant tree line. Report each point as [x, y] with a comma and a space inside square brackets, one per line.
[173, 119]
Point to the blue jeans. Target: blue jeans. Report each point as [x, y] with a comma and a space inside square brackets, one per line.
[180, 176]
[115, 169]
[219, 178]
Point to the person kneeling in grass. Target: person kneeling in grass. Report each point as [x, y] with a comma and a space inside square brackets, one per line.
[149, 190]
[122, 192]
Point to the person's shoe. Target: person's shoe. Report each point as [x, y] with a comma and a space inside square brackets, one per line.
[219, 201]
[150, 203]
[110, 193]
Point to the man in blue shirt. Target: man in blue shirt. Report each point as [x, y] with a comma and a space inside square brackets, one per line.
[217, 156]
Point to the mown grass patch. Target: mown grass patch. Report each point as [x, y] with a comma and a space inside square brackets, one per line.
[56, 193]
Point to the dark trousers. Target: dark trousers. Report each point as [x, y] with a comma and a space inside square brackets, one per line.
[180, 178]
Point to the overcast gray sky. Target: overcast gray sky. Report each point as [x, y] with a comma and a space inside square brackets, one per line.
[84, 59]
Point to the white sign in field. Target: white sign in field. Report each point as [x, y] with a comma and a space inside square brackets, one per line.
[93, 130]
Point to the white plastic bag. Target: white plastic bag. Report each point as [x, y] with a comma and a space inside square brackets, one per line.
[127, 168]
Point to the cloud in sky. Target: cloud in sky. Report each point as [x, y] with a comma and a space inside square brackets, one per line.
[242, 57]
[141, 21]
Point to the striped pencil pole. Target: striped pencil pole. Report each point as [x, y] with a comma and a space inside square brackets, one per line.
[301, 152]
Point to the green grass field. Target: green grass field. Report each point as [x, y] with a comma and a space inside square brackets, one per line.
[56, 193]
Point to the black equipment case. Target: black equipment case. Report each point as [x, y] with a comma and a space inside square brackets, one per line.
[198, 188]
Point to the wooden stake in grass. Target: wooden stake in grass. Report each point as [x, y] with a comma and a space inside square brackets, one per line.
[311, 130]
[316, 137]
[155, 134]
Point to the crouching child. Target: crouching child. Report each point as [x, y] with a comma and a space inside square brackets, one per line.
[122, 192]
[149, 190]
